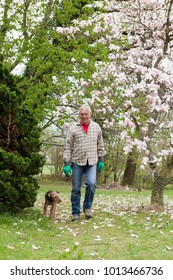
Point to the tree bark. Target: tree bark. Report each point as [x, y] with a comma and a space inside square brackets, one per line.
[160, 180]
[157, 192]
[130, 169]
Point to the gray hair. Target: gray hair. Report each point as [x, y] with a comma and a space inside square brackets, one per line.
[85, 106]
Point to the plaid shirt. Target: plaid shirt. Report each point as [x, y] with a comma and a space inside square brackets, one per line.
[81, 147]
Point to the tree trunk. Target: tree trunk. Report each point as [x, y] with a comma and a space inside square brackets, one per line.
[160, 180]
[157, 192]
[130, 169]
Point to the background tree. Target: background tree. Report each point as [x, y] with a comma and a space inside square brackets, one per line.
[31, 43]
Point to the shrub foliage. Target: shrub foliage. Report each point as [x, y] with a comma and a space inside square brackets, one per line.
[19, 147]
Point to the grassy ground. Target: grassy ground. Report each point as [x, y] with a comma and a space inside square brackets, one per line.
[121, 229]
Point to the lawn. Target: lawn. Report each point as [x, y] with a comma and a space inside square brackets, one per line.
[121, 229]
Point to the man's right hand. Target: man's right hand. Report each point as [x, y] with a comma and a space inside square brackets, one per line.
[67, 170]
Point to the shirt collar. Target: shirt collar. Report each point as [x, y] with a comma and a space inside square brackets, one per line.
[79, 124]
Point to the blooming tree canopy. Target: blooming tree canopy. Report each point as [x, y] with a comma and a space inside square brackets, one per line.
[134, 89]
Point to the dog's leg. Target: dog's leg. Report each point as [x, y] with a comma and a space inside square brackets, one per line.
[45, 209]
[52, 211]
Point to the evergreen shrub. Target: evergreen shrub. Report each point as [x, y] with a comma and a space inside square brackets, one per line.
[20, 158]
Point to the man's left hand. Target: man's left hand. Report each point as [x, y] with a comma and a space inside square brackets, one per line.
[100, 166]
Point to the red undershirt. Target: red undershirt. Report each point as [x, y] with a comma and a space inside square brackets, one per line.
[85, 127]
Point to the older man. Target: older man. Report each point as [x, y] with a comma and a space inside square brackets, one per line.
[83, 155]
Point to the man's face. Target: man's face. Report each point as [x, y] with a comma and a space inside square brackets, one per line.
[84, 116]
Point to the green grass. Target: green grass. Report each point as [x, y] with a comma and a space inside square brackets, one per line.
[120, 230]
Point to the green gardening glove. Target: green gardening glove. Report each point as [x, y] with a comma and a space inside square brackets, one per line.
[100, 166]
[67, 170]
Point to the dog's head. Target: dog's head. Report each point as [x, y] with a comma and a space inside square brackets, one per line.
[53, 196]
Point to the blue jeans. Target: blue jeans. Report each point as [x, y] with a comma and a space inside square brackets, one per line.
[90, 181]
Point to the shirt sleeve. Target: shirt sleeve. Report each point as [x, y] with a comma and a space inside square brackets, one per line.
[100, 146]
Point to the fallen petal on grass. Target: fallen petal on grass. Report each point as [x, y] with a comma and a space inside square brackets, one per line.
[134, 235]
[19, 233]
[35, 247]
[67, 250]
[98, 238]
[168, 248]
[10, 247]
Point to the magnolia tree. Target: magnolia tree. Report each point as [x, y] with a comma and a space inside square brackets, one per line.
[146, 79]
[135, 88]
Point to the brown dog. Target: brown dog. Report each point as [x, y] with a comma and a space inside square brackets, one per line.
[51, 198]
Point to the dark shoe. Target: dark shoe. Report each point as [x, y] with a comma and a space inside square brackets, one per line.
[75, 218]
[88, 213]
